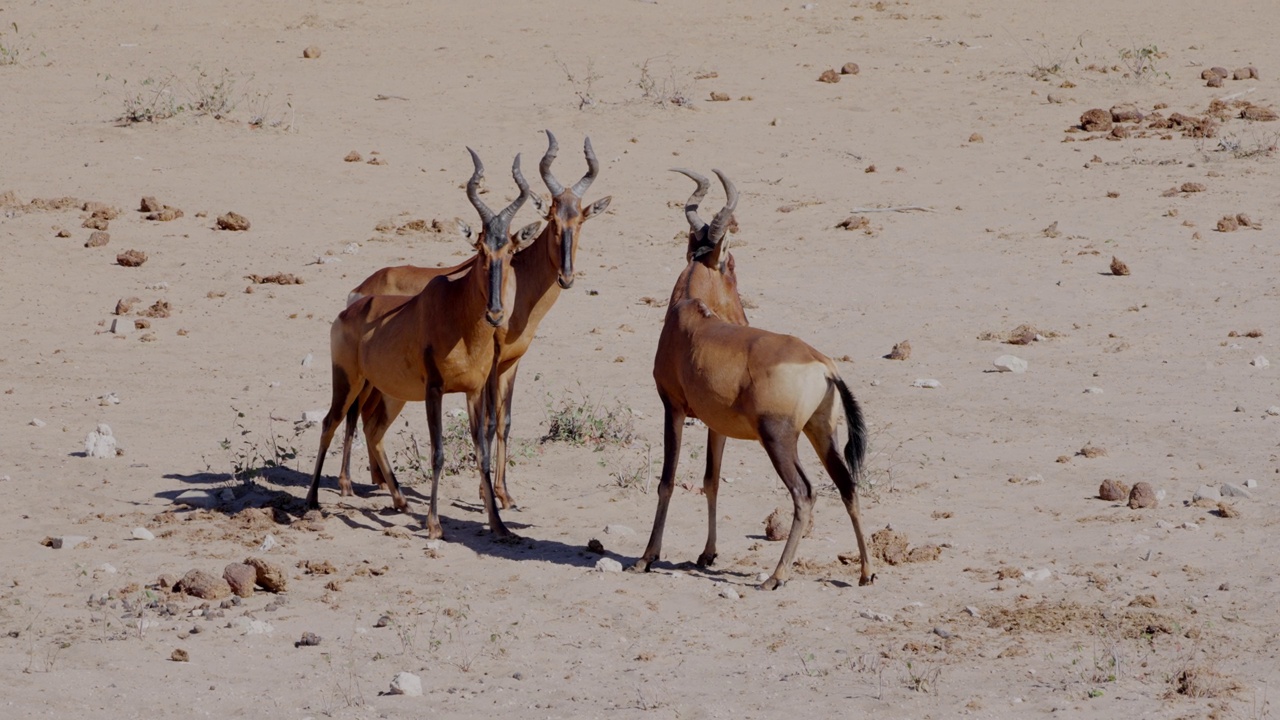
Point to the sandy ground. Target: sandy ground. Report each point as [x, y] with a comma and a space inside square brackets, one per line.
[1043, 598]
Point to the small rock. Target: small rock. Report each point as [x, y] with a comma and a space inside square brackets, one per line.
[517, 675]
[618, 530]
[97, 238]
[942, 632]
[610, 565]
[1055, 98]
[1118, 267]
[352, 156]
[311, 52]
[120, 326]
[973, 611]
[1010, 363]
[1093, 391]
[308, 639]
[900, 351]
[1241, 74]
[877, 616]
[180, 655]
[761, 577]
[1213, 81]
[1142, 496]
[1260, 362]
[1224, 586]
[927, 383]
[849, 68]
[241, 578]
[829, 76]
[719, 96]
[383, 621]
[777, 526]
[37, 422]
[267, 543]
[434, 544]
[728, 593]
[203, 585]
[1095, 120]
[141, 533]
[150, 204]
[406, 684]
[1189, 526]
[131, 258]
[100, 443]
[1251, 483]
[1230, 490]
[1206, 492]
[233, 221]
[306, 362]
[1164, 525]
[1113, 490]
[249, 626]
[65, 542]
[270, 577]
[975, 138]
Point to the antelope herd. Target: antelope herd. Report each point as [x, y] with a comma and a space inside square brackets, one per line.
[412, 333]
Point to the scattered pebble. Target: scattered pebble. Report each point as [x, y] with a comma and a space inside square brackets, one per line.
[267, 543]
[1113, 490]
[233, 221]
[98, 238]
[1260, 362]
[1142, 496]
[900, 351]
[605, 564]
[614, 529]
[942, 632]
[1010, 363]
[1118, 267]
[973, 611]
[927, 383]
[131, 258]
[762, 576]
[141, 533]
[850, 68]
[241, 578]
[311, 52]
[1093, 391]
[1206, 492]
[65, 542]
[383, 621]
[877, 616]
[728, 593]
[1189, 526]
[37, 422]
[352, 157]
[100, 443]
[1251, 483]
[308, 639]
[1273, 410]
[407, 684]
[1231, 490]
[829, 76]
[1037, 575]
[180, 655]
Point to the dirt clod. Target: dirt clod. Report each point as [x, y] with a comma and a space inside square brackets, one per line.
[97, 238]
[1092, 451]
[1095, 120]
[131, 258]
[125, 305]
[352, 156]
[270, 577]
[241, 578]
[855, 222]
[150, 204]
[180, 655]
[203, 585]
[233, 221]
[900, 351]
[1142, 496]
[829, 76]
[275, 279]
[1118, 267]
[850, 68]
[1228, 224]
[311, 52]
[777, 526]
[1113, 490]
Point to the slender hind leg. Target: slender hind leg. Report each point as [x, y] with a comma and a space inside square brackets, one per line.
[434, 399]
[345, 391]
[824, 443]
[672, 429]
[353, 416]
[377, 420]
[710, 488]
[779, 440]
[506, 389]
[479, 406]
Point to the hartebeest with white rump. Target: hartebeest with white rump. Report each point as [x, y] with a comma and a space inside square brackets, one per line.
[542, 268]
[750, 384]
[421, 347]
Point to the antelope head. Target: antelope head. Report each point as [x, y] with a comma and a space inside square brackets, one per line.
[566, 214]
[494, 245]
[711, 276]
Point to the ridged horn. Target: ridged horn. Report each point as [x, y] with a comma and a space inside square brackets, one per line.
[720, 225]
[544, 167]
[473, 186]
[593, 166]
[691, 207]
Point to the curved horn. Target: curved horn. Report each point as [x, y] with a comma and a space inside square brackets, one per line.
[593, 166]
[691, 207]
[473, 185]
[510, 211]
[553, 147]
[720, 225]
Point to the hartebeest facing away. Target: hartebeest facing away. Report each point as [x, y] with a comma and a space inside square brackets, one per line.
[750, 384]
[421, 347]
[542, 268]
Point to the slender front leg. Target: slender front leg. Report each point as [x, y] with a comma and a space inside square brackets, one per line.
[479, 407]
[349, 432]
[345, 391]
[672, 429]
[506, 389]
[434, 405]
[710, 488]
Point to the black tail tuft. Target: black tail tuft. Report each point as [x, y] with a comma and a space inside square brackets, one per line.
[855, 450]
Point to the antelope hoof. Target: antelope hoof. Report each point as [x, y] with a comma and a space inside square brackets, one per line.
[706, 560]
[434, 531]
[640, 566]
[508, 538]
[867, 579]
[773, 583]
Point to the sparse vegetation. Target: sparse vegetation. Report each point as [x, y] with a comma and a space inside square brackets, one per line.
[9, 52]
[583, 85]
[1141, 61]
[582, 421]
[250, 457]
[156, 99]
[669, 90]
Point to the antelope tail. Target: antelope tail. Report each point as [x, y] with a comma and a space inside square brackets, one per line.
[855, 450]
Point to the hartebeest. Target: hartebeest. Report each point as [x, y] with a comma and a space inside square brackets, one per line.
[542, 269]
[438, 341]
[750, 384]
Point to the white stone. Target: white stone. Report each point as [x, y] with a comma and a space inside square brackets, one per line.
[1206, 492]
[1093, 391]
[1160, 494]
[141, 533]
[37, 422]
[108, 568]
[877, 616]
[1230, 490]
[1037, 575]
[311, 417]
[267, 543]
[1010, 363]
[66, 542]
[1273, 410]
[1189, 526]
[5, 478]
[306, 361]
[972, 611]
[608, 565]
[435, 544]
[1260, 362]
[351, 249]
[121, 326]
[406, 684]
[728, 593]
[1164, 525]
[927, 383]
[197, 499]
[1033, 479]
[762, 576]
[100, 443]
[1250, 483]
[109, 399]
[615, 529]
[158, 286]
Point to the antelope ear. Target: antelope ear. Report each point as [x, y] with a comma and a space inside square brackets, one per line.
[527, 234]
[597, 207]
[728, 265]
[463, 228]
[539, 204]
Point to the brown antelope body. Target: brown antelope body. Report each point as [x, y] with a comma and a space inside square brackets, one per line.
[422, 347]
[749, 384]
[542, 269]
